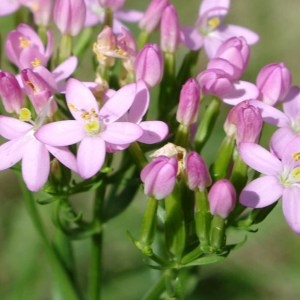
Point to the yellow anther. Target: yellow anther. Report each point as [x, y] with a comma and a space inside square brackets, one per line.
[296, 173]
[72, 107]
[25, 114]
[296, 156]
[31, 86]
[35, 7]
[36, 62]
[92, 127]
[213, 22]
[24, 43]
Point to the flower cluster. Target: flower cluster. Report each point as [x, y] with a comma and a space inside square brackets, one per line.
[139, 99]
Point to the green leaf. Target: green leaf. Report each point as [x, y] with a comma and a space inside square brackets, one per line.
[205, 260]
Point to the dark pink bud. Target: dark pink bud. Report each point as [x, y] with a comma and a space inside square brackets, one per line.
[152, 15]
[37, 90]
[159, 177]
[197, 172]
[169, 30]
[222, 198]
[245, 122]
[148, 65]
[11, 93]
[188, 108]
[215, 82]
[274, 81]
[69, 16]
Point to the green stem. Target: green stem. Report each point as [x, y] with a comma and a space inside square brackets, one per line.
[65, 49]
[95, 274]
[138, 155]
[143, 39]
[65, 285]
[207, 123]
[182, 137]
[217, 233]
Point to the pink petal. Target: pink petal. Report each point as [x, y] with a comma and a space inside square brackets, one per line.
[280, 139]
[227, 31]
[62, 133]
[47, 76]
[288, 153]
[243, 90]
[191, 38]
[115, 107]
[35, 165]
[271, 114]
[11, 128]
[259, 159]
[65, 156]
[90, 156]
[291, 104]
[291, 207]
[121, 133]
[80, 98]
[214, 5]
[140, 104]
[8, 7]
[154, 132]
[261, 192]
[65, 69]
[128, 15]
[11, 152]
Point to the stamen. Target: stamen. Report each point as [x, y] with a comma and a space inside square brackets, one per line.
[296, 173]
[25, 114]
[24, 43]
[92, 127]
[36, 62]
[296, 156]
[213, 22]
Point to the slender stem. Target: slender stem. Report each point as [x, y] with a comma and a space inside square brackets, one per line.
[95, 274]
[157, 289]
[65, 285]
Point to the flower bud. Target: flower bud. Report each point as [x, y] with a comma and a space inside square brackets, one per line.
[41, 11]
[11, 93]
[215, 82]
[273, 81]
[235, 51]
[197, 173]
[188, 108]
[69, 16]
[245, 122]
[169, 30]
[149, 65]
[38, 91]
[159, 177]
[152, 15]
[222, 198]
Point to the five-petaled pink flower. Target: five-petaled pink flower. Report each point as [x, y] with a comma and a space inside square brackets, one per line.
[92, 127]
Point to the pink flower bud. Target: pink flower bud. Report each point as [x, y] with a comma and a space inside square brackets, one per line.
[197, 172]
[149, 65]
[245, 122]
[152, 15]
[159, 177]
[11, 93]
[69, 16]
[235, 51]
[169, 30]
[274, 81]
[38, 91]
[188, 108]
[41, 11]
[222, 198]
[215, 82]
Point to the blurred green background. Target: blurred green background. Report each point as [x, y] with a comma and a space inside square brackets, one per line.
[266, 267]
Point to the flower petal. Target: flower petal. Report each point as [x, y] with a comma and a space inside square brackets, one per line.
[261, 192]
[121, 133]
[65, 156]
[65, 69]
[11, 128]
[79, 98]
[154, 132]
[35, 165]
[90, 156]
[219, 8]
[259, 159]
[191, 38]
[291, 207]
[62, 133]
[116, 106]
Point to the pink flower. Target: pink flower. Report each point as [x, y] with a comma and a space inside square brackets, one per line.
[222, 198]
[209, 32]
[25, 49]
[92, 127]
[273, 81]
[35, 157]
[159, 177]
[281, 178]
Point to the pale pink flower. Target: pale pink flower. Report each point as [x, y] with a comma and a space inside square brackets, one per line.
[92, 127]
